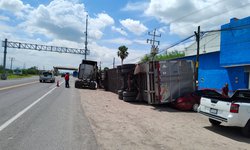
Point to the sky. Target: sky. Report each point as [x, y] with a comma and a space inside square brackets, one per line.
[112, 23]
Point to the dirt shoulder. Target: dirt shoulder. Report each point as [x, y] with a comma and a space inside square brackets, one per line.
[121, 125]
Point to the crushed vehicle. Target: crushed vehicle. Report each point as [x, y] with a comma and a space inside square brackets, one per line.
[87, 75]
[47, 77]
[233, 111]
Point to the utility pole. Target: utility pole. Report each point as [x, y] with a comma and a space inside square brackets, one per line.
[11, 61]
[4, 75]
[86, 37]
[197, 36]
[114, 62]
[154, 48]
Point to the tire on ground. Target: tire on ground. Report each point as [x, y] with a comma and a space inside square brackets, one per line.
[77, 84]
[92, 85]
[214, 122]
[120, 97]
[129, 99]
[246, 130]
[129, 94]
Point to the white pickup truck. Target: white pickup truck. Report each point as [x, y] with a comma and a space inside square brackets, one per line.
[234, 111]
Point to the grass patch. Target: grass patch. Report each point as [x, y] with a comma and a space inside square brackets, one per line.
[13, 76]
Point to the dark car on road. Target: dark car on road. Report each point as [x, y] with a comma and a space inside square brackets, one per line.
[191, 101]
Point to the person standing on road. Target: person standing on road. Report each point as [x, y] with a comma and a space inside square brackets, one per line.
[66, 77]
[225, 90]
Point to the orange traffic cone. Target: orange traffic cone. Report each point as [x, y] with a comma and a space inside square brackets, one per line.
[57, 83]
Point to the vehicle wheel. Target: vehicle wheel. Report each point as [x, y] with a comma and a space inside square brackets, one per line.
[92, 85]
[129, 99]
[246, 130]
[129, 94]
[120, 92]
[214, 122]
[41, 81]
[120, 97]
[77, 84]
[195, 107]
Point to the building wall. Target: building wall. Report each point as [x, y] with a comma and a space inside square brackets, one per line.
[235, 43]
[212, 75]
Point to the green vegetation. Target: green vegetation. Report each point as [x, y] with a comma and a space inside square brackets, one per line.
[122, 53]
[14, 76]
[168, 56]
[20, 73]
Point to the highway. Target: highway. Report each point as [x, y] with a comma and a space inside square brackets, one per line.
[42, 116]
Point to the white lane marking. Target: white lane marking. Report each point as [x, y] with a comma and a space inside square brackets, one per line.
[7, 123]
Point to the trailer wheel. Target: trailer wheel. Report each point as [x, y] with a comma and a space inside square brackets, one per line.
[214, 122]
[129, 99]
[129, 94]
[246, 130]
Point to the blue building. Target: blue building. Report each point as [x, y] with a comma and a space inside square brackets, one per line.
[224, 56]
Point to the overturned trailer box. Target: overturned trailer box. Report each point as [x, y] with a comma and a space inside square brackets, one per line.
[163, 81]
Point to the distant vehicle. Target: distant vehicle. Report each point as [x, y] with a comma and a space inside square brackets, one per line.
[234, 111]
[75, 74]
[47, 77]
[17, 71]
[191, 101]
[87, 75]
[63, 75]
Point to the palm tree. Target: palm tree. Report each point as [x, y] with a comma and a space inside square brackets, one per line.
[122, 53]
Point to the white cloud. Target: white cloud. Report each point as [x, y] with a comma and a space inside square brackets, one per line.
[136, 6]
[121, 41]
[15, 6]
[134, 26]
[65, 20]
[141, 42]
[183, 17]
[4, 18]
[119, 30]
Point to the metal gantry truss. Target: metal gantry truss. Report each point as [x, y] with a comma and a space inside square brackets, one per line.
[47, 48]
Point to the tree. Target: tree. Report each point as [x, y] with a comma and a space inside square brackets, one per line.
[170, 55]
[122, 53]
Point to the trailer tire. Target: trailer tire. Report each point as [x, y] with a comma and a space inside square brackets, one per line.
[246, 130]
[214, 122]
[129, 99]
[129, 94]
[120, 97]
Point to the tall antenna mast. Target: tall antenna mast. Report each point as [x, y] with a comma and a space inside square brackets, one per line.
[86, 37]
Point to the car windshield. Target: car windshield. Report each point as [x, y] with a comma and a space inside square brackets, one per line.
[242, 95]
[47, 74]
[208, 93]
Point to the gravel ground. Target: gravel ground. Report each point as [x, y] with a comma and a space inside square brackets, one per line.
[121, 125]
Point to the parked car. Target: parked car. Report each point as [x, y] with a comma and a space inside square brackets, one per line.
[191, 101]
[233, 111]
[47, 77]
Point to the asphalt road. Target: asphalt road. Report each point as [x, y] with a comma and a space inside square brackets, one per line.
[41, 116]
